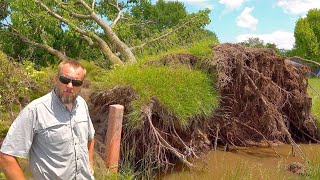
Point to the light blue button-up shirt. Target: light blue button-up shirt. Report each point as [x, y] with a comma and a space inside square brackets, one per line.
[55, 139]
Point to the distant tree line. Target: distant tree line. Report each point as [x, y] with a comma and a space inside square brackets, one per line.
[307, 38]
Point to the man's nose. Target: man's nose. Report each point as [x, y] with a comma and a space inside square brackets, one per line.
[69, 85]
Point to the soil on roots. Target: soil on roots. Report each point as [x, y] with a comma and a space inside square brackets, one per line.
[263, 98]
[158, 143]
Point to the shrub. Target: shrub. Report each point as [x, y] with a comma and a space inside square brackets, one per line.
[4, 127]
[19, 84]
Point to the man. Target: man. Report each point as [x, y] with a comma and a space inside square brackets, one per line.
[55, 131]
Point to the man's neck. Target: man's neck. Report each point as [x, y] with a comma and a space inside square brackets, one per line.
[69, 106]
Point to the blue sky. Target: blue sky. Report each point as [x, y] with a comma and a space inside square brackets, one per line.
[273, 21]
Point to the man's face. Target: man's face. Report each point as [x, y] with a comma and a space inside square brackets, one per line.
[68, 92]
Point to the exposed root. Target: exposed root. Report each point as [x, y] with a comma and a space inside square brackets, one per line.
[159, 143]
[266, 140]
[162, 142]
[263, 98]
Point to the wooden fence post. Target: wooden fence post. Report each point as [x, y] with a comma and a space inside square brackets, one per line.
[113, 137]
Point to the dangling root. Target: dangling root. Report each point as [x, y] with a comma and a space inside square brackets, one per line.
[162, 142]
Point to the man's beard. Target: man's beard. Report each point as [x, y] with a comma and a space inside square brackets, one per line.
[66, 98]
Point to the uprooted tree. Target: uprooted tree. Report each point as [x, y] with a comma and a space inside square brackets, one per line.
[85, 29]
[263, 102]
[263, 98]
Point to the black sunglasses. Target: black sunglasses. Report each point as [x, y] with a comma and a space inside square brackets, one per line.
[66, 80]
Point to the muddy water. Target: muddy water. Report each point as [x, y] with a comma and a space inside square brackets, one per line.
[249, 163]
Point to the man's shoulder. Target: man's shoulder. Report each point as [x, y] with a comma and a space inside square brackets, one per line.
[81, 100]
[40, 100]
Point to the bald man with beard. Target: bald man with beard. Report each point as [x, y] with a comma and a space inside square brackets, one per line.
[54, 131]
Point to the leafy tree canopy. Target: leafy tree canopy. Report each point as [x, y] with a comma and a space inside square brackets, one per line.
[112, 31]
[259, 43]
[307, 36]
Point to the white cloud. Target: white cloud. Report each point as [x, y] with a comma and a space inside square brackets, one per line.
[297, 6]
[283, 39]
[232, 4]
[246, 20]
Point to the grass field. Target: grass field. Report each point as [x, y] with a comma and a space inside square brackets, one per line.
[314, 92]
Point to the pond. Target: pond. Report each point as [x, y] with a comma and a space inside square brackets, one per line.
[247, 163]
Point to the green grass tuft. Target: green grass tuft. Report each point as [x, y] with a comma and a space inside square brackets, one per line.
[201, 49]
[314, 92]
[184, 92]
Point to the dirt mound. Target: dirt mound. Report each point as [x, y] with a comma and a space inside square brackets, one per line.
[263, 98]
[176, 60]
[185, 59]
[158, 142]
[297, 168]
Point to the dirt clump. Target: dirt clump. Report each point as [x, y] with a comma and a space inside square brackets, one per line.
[297, 168]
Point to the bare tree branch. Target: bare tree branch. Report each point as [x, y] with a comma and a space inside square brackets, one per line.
[46, 47]
[93, 4]
[141, 23]
[113, 38]
[164, 35]
[119, 13]
[73, 14]
[307, 60]
[103, 45]
[90, 41]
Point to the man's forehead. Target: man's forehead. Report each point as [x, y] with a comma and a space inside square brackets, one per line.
[69, 67]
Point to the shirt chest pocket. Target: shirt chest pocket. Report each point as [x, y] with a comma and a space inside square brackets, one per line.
[58, 133]
[81, 128]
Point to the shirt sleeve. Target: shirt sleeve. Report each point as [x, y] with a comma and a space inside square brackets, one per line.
[91, 130]
[20, 135]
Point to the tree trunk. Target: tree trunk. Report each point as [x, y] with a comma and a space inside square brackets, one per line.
[46, 47]
[108, 53]
[125, 51]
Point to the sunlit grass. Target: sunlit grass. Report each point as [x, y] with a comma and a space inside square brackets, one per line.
[201, 49]
[314, 92]
[313, 165]
[182, 91]
[249, 171]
